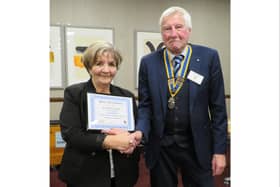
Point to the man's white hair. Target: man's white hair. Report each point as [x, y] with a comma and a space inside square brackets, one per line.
[175, 9]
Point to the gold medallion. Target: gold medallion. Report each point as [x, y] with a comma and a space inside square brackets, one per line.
[180, 79]
[171, 103]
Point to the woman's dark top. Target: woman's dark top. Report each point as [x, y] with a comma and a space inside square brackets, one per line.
[85, 163]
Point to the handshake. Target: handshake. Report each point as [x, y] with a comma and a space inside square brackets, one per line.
[121, 140]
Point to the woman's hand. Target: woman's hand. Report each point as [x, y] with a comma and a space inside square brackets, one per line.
[113, 131]
[120, 141]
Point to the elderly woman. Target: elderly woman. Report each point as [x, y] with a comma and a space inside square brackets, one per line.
[91, 157]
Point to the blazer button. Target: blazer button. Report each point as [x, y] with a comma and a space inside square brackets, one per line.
[93, 154]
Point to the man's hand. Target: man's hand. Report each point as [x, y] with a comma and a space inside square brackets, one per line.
[136, 137]
[218, 164]
[121, 141]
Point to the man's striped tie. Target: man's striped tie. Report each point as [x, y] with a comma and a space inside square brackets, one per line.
[176, 64]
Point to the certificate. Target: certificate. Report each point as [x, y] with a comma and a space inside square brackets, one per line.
[106, 112]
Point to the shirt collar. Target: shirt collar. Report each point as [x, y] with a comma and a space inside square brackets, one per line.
[171, 55]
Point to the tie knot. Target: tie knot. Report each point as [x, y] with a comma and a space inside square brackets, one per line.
[177, 59]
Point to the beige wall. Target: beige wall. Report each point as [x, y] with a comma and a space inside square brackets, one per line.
[211, 27]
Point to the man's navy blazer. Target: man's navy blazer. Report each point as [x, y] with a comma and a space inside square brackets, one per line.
[208, 117]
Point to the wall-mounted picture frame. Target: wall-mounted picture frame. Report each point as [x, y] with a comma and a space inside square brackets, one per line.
[56, 56]
[146, 42]
[77, 39]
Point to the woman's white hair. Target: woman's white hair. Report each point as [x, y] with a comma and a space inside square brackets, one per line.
[173, 10]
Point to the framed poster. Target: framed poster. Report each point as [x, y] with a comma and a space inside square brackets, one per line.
[146, 42]
[77, 41]
[55, 48]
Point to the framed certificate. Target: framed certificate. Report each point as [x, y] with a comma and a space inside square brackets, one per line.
[107, 112]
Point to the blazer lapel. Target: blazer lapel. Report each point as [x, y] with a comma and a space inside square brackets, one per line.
[162, 81]
[195, 64]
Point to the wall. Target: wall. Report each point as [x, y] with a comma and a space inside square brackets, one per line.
[211, 27]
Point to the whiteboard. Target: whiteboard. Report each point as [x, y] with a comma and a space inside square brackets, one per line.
[77, 40]
[146, 42]
[55, 50]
